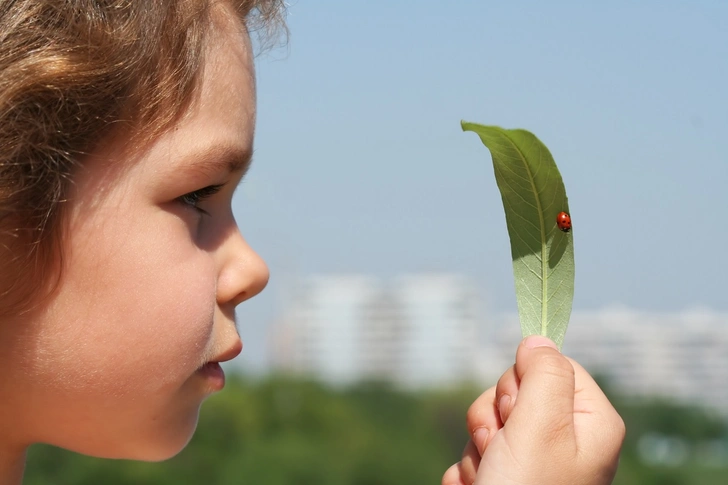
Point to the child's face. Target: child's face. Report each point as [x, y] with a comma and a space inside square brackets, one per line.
[115, 365]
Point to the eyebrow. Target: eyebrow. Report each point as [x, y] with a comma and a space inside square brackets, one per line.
[219, 159]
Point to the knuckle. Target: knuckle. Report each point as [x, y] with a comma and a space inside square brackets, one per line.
[475, 417]
[556, 364]
[477, 413]
[451, 476]
[473, 412]
[618, 428]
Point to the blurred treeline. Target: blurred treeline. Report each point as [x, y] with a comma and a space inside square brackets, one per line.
[286, 431]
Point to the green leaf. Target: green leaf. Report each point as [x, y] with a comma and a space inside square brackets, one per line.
[543, 255]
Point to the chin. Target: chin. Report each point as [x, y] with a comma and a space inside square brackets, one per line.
[164, 444]
[159, 442]
[149, 450]
[160, 453]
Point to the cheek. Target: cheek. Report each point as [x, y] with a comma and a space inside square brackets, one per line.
[135, 310]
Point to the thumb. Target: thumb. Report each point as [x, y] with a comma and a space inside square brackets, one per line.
[545, 401]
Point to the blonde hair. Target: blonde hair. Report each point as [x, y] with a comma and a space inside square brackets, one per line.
[69, 70]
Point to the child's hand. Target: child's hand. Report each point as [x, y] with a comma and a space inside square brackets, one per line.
[546, 422]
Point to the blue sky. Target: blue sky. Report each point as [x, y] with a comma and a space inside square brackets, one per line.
[361, 166]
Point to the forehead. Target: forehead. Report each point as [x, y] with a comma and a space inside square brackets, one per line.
[226, 85]
[220, 118]
[228, 54]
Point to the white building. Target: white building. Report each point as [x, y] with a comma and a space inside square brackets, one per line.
[678, 356]
[426, 330]
[415, 331]
[438, 320]
[324, 328]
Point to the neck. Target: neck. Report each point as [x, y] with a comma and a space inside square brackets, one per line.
[12, 464]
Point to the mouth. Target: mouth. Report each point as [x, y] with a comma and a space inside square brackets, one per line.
[230, 353]
[213, 373]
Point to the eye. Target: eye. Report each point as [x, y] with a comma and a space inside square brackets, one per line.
[193, 199]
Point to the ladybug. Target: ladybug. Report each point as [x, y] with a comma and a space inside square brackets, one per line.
[563, 220]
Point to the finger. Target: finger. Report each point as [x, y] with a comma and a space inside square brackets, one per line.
[469, 464]
[594, 412]
[483, 420]
[452, 476]
[585, 388]
[505, 393]
[546, 390]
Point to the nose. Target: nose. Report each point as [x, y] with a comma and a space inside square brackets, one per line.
[243, 273]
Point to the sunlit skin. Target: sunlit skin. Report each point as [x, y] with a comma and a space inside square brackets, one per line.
[545, 422]
[112, 364]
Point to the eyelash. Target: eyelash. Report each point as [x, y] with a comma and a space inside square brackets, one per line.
[194, 198]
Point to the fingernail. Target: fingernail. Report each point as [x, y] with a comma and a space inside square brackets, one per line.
[533, 341]
[503, 404]
[479, 438]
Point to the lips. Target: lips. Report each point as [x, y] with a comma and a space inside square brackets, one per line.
[211, 371]
[213, 376]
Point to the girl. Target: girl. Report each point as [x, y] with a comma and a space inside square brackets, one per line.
[125, 127]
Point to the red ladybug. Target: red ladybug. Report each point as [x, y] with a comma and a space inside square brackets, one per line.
[563, 220]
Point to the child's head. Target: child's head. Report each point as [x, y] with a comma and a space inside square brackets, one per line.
[124, 128]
